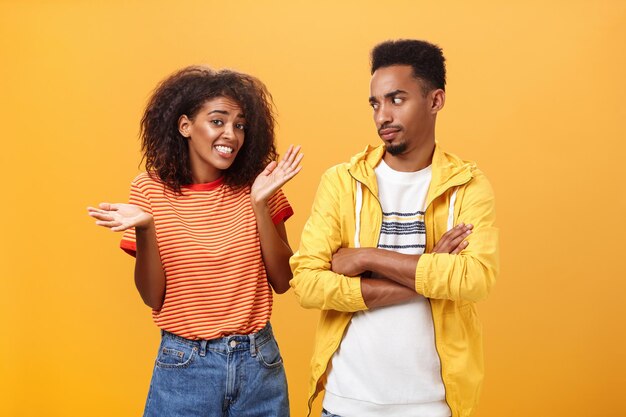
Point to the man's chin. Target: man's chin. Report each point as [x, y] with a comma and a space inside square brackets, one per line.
[394, 150]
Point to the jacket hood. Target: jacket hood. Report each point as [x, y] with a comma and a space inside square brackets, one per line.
[448, 170]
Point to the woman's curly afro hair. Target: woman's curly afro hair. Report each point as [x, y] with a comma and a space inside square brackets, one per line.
[166, 151]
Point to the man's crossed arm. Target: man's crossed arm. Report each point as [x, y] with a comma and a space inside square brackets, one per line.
[397, 268]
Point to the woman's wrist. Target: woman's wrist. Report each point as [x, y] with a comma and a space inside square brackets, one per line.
[146, 225]
[258, 205]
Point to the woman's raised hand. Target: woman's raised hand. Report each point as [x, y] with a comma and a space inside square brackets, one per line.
[275, 175]
[119, 217]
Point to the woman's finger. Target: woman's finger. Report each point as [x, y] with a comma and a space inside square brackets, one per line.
[292, 174]
[101, 216]
[288, 152]
[121, 228]
[293, 162]
[297, 161]
[269, 168]
[97, 210]
[293, 154]
[106, 206]
[108, 224]
[285, 157]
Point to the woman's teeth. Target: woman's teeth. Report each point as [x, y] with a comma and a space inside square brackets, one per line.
[224, 149]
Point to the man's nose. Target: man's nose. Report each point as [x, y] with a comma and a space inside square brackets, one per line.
[383, 115]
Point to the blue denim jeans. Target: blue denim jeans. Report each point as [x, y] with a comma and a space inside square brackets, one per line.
[327, 414]
[234, 376]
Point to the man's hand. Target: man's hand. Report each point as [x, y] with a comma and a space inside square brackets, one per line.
[452, 241]
[348, 261]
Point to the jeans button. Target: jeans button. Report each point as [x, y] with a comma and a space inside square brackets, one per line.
[233, 343]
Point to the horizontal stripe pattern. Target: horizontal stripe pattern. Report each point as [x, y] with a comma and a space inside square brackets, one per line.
[210, 250]
[403, 232]
[400, 214]
[402, 197]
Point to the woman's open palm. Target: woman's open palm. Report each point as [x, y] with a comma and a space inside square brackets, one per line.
[119, 217]
[276, 174]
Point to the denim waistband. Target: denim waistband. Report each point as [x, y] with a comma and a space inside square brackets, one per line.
[227, 344]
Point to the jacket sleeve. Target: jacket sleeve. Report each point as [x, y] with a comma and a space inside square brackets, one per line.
[471, 274]
[314, 284]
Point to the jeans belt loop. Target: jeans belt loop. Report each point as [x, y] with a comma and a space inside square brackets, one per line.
[203, 344]
[252, 345]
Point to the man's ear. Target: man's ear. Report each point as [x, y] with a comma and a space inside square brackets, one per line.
[438, 100]
[184, 126]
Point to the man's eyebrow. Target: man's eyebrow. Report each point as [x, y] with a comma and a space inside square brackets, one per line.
[391, 94]
[394, 93]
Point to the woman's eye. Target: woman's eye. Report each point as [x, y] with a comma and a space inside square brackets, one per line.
[240, 126]
[217, 122]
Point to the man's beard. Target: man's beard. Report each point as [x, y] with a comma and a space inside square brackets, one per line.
[396, 149]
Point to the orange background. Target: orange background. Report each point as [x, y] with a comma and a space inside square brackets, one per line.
[535, 96]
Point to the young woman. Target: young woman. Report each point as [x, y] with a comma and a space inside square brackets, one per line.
[206, 225]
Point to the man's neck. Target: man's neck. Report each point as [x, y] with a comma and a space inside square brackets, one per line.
[413, 160]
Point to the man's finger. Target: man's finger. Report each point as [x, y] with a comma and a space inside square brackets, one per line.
[458, 239]
[459, 248]
[455, 232]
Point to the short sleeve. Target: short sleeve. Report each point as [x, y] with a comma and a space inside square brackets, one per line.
[280, 209]
[139, 198]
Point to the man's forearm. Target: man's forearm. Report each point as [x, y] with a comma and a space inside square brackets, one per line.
[397, 267]
[380, 292]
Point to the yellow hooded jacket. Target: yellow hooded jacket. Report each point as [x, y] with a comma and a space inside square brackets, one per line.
[346, 213]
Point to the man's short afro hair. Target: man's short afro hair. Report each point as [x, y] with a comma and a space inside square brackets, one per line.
[426, 59]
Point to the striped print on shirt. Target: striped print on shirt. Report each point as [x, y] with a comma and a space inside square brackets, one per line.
[216, 283]
[403, 231]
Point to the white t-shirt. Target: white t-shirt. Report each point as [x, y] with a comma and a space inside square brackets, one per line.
[387, 363]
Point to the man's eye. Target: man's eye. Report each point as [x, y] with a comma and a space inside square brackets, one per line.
[374, 106]
[397, 100]
[217, 122]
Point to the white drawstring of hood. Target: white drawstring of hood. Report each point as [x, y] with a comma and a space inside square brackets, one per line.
[357, 212]
[451, 210]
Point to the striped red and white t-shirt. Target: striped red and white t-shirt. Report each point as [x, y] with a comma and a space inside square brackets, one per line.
[208, 240]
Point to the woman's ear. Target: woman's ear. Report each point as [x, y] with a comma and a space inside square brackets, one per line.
[184, 126]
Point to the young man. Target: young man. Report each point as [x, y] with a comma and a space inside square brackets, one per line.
[400, 244]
